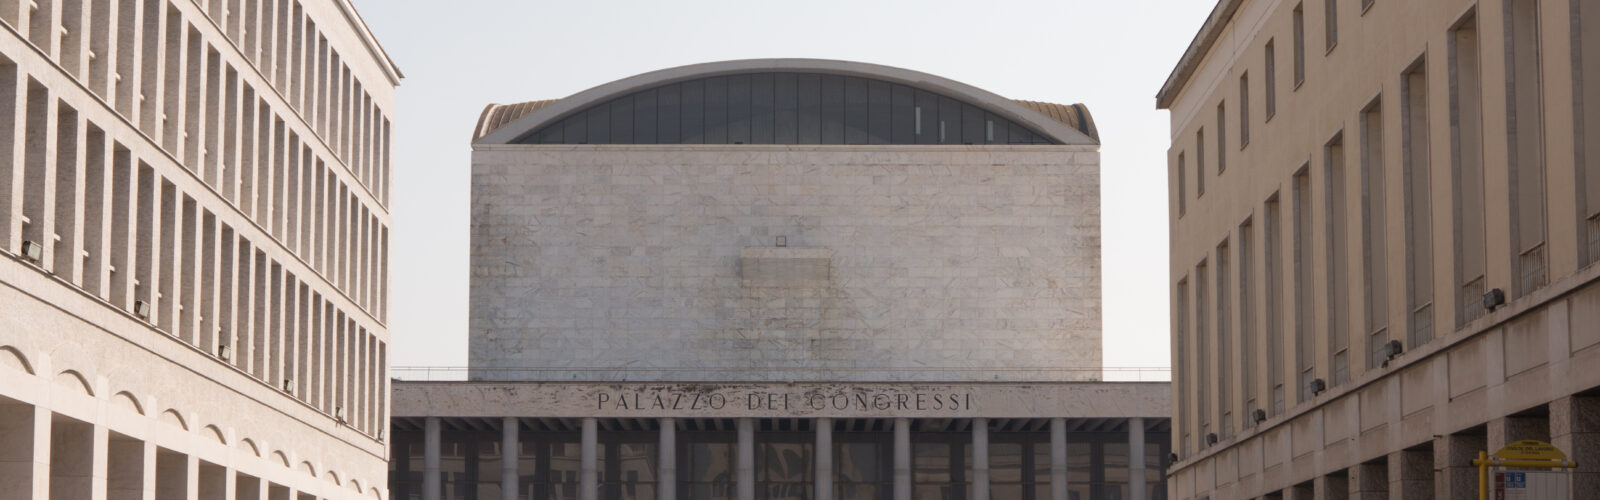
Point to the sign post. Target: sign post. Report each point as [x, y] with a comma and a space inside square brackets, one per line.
[1518, 485]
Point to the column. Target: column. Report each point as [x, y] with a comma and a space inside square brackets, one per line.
[430, 459]
[1331, 487]
[1135, 458]
[1411, 474]
[1452, 461]
[1575, 430]
[824, 454]
[509, 447]
[902, 459]
[1058, 459]
[589, 472]
[980, 459]
[667, 469]
[745, 485]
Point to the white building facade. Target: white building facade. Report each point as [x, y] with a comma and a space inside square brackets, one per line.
[194, 227]
[783, 279]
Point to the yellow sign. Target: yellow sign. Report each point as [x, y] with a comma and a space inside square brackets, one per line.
[1530, 450]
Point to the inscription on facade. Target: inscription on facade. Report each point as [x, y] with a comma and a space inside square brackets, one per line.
[861, 400]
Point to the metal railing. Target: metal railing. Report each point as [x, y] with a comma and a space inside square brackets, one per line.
[704, 374]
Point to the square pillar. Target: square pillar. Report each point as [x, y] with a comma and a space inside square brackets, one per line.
[1370, 481]
[509, 448]
[431, 477]
[1136, 459]
[824, 459]
[1454, 475]
[25, 450]
[980, 459]
[1058, 459]
[667, 468]
[902, 459]
[1575, 429]
[1335, 486]
[588, 469]
[745, 461]
[1411, 473]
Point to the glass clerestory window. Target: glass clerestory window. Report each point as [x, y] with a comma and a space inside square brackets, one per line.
[783, 108]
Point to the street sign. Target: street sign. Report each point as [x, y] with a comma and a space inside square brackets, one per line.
[1529, 485]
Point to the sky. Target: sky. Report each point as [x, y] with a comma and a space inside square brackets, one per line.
[458, 56]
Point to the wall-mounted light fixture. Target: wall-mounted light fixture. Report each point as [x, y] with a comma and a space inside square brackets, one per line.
[32, 251]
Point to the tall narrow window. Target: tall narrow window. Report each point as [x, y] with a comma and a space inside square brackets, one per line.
[1200, 162]
[1299, 44]
[1247, 320]
[1466, 157]
[1419, 215]
[1224, 358]
[1203, 356]
[1222, 137]
[1332, 23]
[1183, 188]
[1304, 351]
[1338, 264]
[1525, 118]
[1271, 79]
[1180, 361]
[1271, 263]
[1374, 218]
[1244, 110]
[1586, 30]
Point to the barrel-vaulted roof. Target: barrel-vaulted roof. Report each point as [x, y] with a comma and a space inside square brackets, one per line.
[1061, 123]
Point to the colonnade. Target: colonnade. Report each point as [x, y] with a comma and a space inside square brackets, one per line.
[745, 461]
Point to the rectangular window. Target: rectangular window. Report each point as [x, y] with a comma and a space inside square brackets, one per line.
[1271, 264]
[1200, 162]
[1222, 137]
[1304, 351]
[1525, 118]
[1418, 203]
[1247, 319]
[1203, 356]
[1180, 360]
[1466, 157]
[1337, 267]
[1299, 45]
[1183, 190]
[1374, 229]
[1224, 330]
[1332, 23]
[1244, 110]
[1586, 73]
[62, 228]
[1272, 80]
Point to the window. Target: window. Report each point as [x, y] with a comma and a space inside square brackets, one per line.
[1526, 152]
[1337, 266]
[1224, 330]
[1418, 203]
[1374, 218]
[1200, 162]
[1332, 24]
[1244, 110]
[783, 108]
[1272, 244]
[1202, 351]
[1304, 366]
[1180, 359]
[1183, 190]
[1271, 80]
[1222, 137]
[1586, 15]
[1466, 156]
[1247, 319]
[1299, 45]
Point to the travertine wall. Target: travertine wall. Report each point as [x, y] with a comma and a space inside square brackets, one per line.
[942, 263]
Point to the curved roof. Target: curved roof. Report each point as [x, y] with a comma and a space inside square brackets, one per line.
[1065, 124]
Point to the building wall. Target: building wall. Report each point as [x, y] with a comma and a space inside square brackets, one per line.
[901, 263]
[194, 210]
[1432, 155]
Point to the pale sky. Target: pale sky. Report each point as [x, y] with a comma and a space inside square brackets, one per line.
[460, 55]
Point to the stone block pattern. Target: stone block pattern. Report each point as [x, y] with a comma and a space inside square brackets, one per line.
[947, 263]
